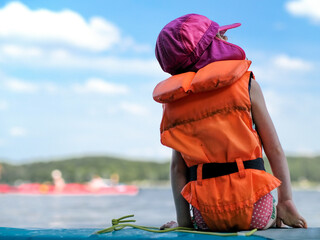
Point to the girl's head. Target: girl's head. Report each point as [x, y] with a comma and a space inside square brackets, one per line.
[192, 41]
[222, 36]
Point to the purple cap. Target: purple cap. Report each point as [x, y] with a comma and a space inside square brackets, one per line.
[223, 29]
[189, 43]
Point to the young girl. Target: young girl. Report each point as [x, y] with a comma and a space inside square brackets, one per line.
[215, 120]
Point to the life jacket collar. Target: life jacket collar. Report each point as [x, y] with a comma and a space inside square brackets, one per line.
[213, 76]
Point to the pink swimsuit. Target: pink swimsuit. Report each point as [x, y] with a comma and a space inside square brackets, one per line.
[263, 215]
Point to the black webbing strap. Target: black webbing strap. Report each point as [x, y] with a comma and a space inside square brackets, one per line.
[211, 170]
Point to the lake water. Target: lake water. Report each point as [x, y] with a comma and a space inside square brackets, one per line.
[152, 207]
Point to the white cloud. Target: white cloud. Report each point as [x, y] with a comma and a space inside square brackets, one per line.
[294, 64]
[36, 58]
[16, 85]
[23, 86]
[96, 85]
[3, 105]
[133, 108]
[42, 38]
[129, 43]
[106, 64]
[18, 131]
[305, 8]
[50, 87]
[66, 27]
[19, 51]
[281, 69]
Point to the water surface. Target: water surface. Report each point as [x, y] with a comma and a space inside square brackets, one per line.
[152, 207]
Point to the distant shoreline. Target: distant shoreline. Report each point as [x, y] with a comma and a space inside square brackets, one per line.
[304, 171]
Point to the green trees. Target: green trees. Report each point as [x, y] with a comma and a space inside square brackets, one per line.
[302, 168]
[84, 168]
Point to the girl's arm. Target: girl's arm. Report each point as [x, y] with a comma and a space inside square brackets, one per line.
[287, 212]
[178, 181]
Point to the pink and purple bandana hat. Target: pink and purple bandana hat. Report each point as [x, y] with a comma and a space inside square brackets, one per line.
[189, 43]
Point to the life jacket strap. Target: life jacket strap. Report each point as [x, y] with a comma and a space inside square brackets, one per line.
[212, 170]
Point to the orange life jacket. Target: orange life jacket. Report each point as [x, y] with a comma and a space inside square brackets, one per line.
[207, 118]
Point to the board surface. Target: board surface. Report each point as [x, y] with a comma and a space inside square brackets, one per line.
[136, 234]
[87, 233]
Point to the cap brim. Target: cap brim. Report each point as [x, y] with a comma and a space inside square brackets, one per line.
[223, 29]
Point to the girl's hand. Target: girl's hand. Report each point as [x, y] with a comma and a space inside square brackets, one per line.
[288, 214]
[171, 224]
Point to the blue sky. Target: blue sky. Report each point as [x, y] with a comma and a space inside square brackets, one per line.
[76, 77]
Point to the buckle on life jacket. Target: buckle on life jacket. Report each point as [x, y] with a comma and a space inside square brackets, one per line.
[212, 170]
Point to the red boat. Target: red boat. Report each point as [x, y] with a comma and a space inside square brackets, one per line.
[69, 189]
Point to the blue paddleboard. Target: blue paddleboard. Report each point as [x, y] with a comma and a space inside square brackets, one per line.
[88, 233]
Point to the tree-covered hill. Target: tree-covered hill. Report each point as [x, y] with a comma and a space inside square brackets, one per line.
[82, 169]
[303, 168]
